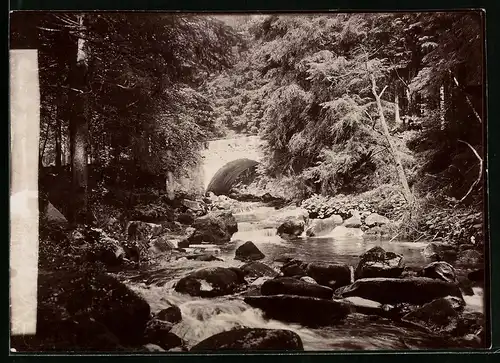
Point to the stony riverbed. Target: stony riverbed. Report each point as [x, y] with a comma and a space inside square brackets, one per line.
[246, 275]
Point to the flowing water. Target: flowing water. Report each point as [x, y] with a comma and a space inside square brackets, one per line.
[205, 317]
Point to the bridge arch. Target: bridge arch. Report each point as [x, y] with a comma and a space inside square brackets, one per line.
[219, 153]
[225, 177]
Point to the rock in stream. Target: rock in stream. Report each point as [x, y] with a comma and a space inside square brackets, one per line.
[416, 290]
[251, 339]
[309, 311]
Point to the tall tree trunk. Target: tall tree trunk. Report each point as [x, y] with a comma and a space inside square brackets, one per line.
[399, 166]
[409, 102]
[169, 180]
[64, 151]
[79, 132]
[58, 133]
[47, 132]
[396, 108]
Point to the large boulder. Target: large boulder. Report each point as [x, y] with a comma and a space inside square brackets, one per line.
[440, 270]
[327, 274]
[437, 316]
[158, 332]
[417, 290]
[375, 219]
[248, 251]
[438, 251]
[309, 311]
[365, 306]
[376, 262]
[353, 222]
[211, 282]
[172, 314]
[291, 228]
[294, 267]
[248, 339]
[290, 221]
[52, 215]
[216, 227]
[258, 269]
[97, 296]
[196, 207]
[322, 227]
[292, 286]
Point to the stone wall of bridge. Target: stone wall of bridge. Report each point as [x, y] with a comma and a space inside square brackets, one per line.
[220, 152]
[215, 156]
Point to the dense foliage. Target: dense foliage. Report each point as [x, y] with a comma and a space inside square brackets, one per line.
[374, 121]
[143, 104]
[305, 84]
[158, 85]
[121, 92]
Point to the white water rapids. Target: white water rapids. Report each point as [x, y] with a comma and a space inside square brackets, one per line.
[203, 317]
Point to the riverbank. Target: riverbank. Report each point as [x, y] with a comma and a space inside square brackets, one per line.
[433, 217]
[179, 290]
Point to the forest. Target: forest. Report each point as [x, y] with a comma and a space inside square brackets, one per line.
[309, 86]
[380, 113]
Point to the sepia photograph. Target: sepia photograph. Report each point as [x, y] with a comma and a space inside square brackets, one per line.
[280, 182]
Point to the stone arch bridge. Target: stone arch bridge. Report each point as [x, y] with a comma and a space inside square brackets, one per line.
[225, 159]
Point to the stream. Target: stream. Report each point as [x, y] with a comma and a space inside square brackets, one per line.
[204, 317]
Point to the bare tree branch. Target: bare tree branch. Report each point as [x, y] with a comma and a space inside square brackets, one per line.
[397, 74]
[49, 29]
[124, 87]
[369, 116]
[480, 173]
[399, 166]
[381, 93]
